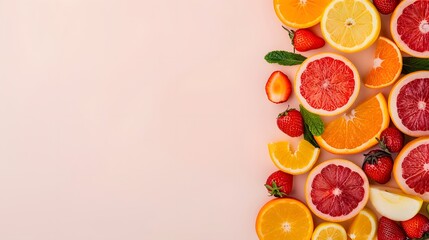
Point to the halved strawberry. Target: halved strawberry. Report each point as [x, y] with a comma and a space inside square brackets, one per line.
[278, 87]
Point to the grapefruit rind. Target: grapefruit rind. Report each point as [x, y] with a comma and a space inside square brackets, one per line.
[394, 30]
[259, 225]
[376, 25]
[338, 162]
[393, 99]
[393, 203]
[371, 141]
[323, 112]
[397, 167]
[398, 72]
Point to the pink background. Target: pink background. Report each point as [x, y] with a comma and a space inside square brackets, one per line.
[127, 119]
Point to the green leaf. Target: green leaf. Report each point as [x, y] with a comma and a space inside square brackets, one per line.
[412, 64]
[314, 122]
[284, 58]
[309, 137]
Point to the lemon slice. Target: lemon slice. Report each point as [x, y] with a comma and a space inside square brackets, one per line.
[293, 162]
[364, 226]
[328, 230]
[350, 25]
[393, 203]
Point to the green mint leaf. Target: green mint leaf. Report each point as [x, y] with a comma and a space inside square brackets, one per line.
[412, 64]
[284, 58]
[314, 122]
[309, 137]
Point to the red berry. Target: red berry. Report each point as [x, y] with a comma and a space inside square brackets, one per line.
[304, 40]
[378, 166]
[279, 184]
[392, 139]
[291, 122]
[385, 6]
[389, 230]
[417, 226]
[278, 87]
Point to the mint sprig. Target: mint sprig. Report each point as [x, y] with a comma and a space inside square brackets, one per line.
[412, 64]
[309, 137]
[314, 122]
[284, 58]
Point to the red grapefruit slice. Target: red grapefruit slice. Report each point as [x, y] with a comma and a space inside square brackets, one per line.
[327, 84]
[409, 104]
[409, 26]
[411, 168]
[336, 190]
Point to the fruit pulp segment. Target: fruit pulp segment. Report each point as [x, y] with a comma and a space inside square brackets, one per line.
[329, 80]
[299, 11]
[286, 221]
[413, 105]
[350, 24]
[363, 226]
[356, 123]
[413, 26]
[415, 169]
[293, 159]
[330, 233]
[386, 64]
[337, 190]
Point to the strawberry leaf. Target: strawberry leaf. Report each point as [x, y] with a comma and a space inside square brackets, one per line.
[412, 64]
[284, 58]
[314, 122]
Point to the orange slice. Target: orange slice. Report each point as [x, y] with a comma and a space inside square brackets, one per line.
[284, 218]
[300, 13]
[364, 226]
[294, 162]
[387, 64]
[328, 230]
[357, 130]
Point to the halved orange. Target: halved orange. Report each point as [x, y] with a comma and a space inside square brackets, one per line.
[284, 218]
[300, 13]
[356, 131]
[292, 161]
[387, 64]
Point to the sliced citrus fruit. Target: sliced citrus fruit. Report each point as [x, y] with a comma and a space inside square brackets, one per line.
[327, 84]
[350, 25]
[336, 190]
[293, 162]
[411, 168]
[409, 104]
[357, 130]
[364, 226]
[387, 64]
[300, 13]
[328, 230]
[409, 26]
[393, 203]
[284, 218]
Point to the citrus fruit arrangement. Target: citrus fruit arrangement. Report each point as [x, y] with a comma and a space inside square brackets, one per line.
[361, 142]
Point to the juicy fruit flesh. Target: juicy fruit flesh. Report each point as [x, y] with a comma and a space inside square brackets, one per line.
[337, 190]
[300, 13]
[357, 24]
[334, 84]
[415, 169]
[413, 26]
[363, 226]
[413, 104]
[331, 231]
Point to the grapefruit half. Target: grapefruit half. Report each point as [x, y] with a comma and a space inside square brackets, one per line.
[409, 104]
[409, 26]
[336, 190]
[327, 84]
[411, 168]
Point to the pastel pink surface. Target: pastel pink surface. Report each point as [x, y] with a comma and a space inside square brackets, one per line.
[139, 120]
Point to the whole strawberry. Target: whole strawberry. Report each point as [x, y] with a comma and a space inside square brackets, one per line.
[417, 226]
[279, 184]
[291, 122]
[391, 139]
[304, 40]
[385, 6]
[378, 165]
[389, 230]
